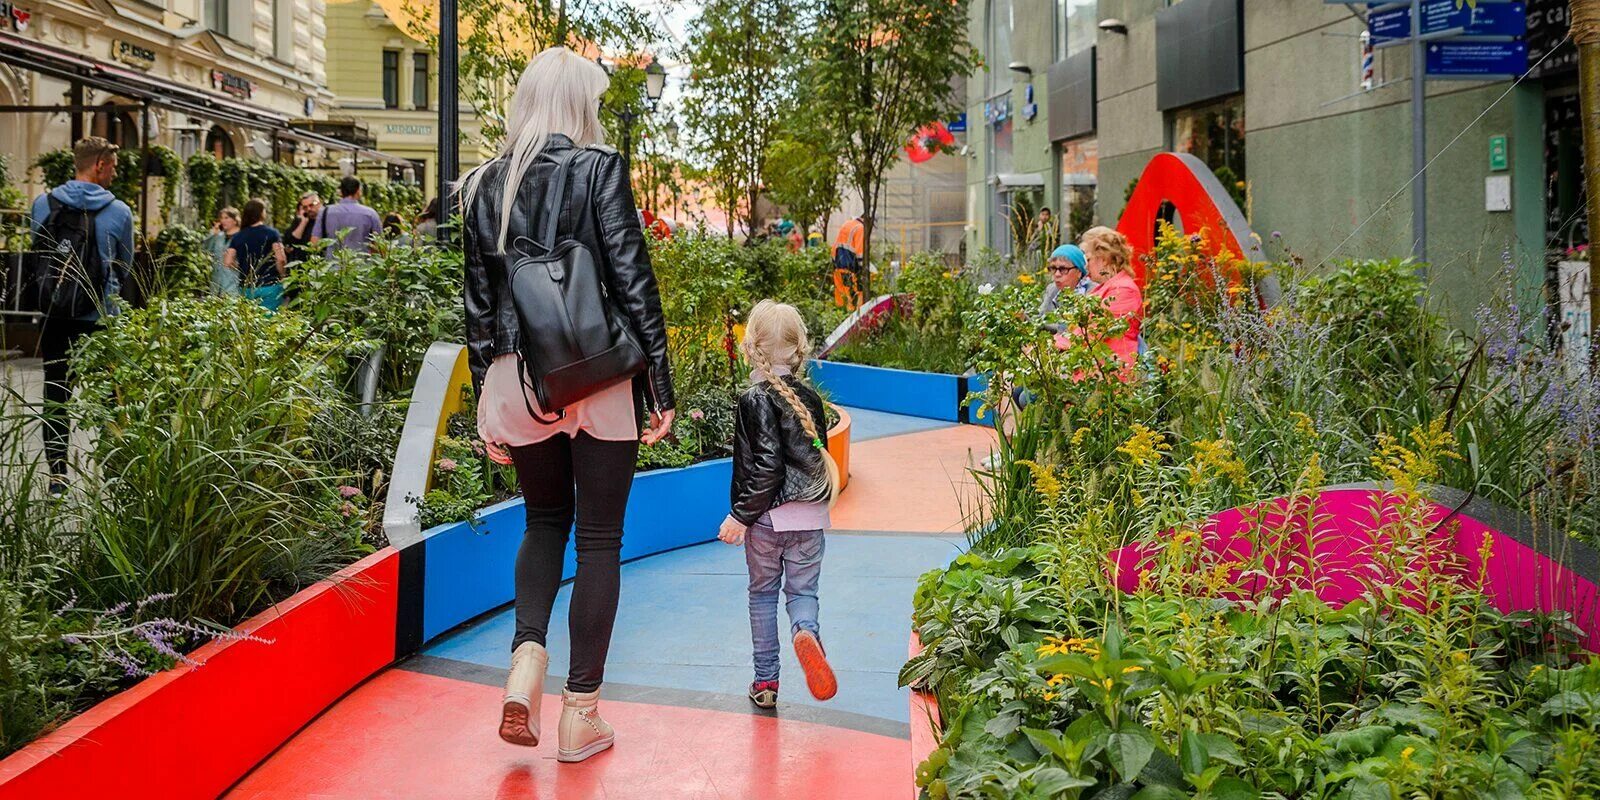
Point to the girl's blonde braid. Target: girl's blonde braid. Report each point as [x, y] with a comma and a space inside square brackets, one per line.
[763, 362]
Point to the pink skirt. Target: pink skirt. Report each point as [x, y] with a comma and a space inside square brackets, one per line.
[503, 416]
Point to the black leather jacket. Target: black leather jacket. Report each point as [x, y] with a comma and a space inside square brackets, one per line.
[774, 461]
[599, 212]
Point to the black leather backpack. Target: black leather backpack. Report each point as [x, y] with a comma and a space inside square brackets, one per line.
[575, 340]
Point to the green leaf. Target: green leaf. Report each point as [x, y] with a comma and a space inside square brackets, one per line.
[1222, 748]
[1234, 789]
[1192, 753]
[1112, 647]
[1129, 750]
[1004, 724]
[1160, 793]
[1051, 781]
[1363, 741]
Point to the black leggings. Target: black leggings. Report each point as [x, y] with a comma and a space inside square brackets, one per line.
[56, 339]
[558, 476]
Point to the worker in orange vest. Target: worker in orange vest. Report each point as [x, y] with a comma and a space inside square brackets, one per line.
[847, 264]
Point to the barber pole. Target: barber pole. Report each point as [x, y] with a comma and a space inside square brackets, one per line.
[1366, 61]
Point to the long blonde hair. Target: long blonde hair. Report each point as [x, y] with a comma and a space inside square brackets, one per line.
[775, 336]
[559, 92]
[1109, 243]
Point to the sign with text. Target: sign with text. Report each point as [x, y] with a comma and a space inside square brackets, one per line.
[235, 85]
[133, 55]
[1477, 59]
[1485, 19]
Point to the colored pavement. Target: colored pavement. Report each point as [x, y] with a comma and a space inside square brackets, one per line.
[678, 668]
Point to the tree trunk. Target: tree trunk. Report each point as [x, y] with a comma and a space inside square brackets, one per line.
[1585, 16]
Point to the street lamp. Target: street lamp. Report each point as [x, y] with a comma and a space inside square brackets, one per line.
[655, 82]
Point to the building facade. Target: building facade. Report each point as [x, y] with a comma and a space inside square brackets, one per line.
[1077, 95]
[222, 75]
[386, 81]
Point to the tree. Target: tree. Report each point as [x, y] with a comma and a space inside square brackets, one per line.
[802, 172]
[1585, 15]
[739, 89]
[884, 69]
[499, 36]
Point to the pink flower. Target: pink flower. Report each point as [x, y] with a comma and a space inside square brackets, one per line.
[446, 465]
[348, 509]
[478, 448]
[697, 415]
[349, 492]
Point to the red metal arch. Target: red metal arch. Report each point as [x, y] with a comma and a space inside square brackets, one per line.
[1201, 201]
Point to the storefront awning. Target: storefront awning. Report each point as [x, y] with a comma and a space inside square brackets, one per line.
[1018, 180]
[67, 66]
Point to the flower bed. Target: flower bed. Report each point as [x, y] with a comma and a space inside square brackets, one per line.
[194, 730]
[1138, 616]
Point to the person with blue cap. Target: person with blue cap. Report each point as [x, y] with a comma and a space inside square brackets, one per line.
[1069, 271]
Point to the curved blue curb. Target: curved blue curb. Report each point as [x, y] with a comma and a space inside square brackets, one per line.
[930, 395]
[466, 568]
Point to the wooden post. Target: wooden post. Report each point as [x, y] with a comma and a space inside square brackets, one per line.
[1585, 15]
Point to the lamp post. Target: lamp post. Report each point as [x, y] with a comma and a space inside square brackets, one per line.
[449, 114]
[655, 82]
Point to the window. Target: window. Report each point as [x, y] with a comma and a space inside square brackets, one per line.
[419, 80]
[999, 54]
[1214, 133]
[1080, 168]
[116, 127]
[216, 14]
[1077, 24]
[218, 143]
[391, 79]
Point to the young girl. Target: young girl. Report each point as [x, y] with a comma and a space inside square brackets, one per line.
[784, 482]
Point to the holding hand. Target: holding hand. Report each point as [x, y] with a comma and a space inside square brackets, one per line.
[660, 426]
[497, 453]
[732, 531]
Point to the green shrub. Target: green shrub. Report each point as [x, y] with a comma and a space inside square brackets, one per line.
[204, 483]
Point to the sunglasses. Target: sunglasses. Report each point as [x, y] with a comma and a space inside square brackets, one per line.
[1067, 268]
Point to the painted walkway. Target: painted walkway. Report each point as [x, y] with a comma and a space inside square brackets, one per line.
[678, 669]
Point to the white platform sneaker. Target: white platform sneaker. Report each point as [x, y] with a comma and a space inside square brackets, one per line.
[583, 733]
[519, 712]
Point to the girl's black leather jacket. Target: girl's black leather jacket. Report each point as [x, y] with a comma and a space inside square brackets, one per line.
[774, 461]
[599, 212]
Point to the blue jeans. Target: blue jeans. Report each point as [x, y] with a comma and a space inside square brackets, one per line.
[791, 560]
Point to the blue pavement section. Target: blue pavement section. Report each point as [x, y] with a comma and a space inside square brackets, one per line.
[867, 424]
[683, 622]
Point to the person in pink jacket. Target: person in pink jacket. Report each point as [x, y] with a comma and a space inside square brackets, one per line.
[1111, 266]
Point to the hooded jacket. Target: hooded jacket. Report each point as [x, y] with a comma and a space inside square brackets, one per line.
[113, 227]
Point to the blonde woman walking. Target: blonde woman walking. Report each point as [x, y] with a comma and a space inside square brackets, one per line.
[555, 189]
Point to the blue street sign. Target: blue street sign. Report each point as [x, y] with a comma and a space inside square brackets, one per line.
[1486, 19]
[959, 124]
[1477, 58]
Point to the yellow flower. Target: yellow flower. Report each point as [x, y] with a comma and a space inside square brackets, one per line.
[1079, 435]
[1216, 455]
[1048, 696]
[1134, 668]
[1144, 446]
[947, 275]
[1025, 279]
[1537, 668]
[1459, 657]
[1405, 755]
[1051, 646]
[1045, 481]
[1056, 680]
[1304, 424]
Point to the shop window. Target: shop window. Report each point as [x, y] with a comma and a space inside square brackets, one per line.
[391, 79]
[999, 53]
[1077, 24]
[218, 143]
[1215, 134]
[1080, 170]
[116, 127]
[419, 80]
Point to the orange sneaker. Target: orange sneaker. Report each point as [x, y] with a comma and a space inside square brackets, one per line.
[819, 676]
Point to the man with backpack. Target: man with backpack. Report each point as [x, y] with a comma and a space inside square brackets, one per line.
[82, 249]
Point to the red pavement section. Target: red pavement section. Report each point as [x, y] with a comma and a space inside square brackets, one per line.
[410, 736]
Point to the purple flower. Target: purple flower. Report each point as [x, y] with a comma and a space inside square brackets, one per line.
[697, 414]
[349, 492]
[1277, 234]
[446, 464]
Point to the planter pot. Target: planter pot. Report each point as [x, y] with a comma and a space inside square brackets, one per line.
[930, 395]
[191, 732]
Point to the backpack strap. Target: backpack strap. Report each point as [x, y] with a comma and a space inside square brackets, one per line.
[554, 198]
